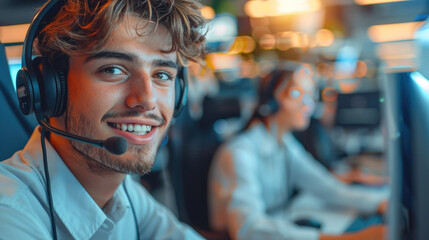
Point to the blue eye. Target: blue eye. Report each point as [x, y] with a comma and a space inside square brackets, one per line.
[113, 70]
[163, 76]
[295, 93]
[112, 73]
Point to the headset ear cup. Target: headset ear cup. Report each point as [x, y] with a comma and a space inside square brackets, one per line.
[181, 92]
[269, 108]
[53, 88]
[24, 91]
[60, 106]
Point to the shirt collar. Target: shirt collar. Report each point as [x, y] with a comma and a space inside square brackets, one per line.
[74, 206]
[270, 144]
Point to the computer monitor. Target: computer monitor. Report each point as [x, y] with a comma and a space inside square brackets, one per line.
[407, 115]
[358, 110]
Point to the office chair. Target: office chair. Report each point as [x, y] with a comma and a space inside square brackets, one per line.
[192, 146]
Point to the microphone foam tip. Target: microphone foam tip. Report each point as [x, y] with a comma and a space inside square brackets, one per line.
[116, 145]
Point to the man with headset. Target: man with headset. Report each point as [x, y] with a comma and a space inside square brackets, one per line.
[252, 175]
[103, 92]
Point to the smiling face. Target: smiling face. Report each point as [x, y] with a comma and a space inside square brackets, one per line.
[125, 89]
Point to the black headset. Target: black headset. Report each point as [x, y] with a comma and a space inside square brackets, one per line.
[267, 104]
[42, 88]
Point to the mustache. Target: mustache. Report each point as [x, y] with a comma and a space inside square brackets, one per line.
[131, 113]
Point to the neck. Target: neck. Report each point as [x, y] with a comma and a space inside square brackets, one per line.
[100, 186]
[277, 127]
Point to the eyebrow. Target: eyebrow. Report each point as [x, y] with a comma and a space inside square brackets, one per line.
[165, 63]
[130, 57]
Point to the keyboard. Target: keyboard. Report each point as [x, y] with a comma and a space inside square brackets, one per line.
[363, 222]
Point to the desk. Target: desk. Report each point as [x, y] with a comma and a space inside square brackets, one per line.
[334, 220]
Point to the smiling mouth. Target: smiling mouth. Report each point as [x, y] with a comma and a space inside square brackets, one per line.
[137, 129]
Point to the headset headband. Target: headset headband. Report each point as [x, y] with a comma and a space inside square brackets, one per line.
[46, 13]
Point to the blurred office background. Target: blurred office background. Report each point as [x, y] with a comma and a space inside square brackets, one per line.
[348, 43]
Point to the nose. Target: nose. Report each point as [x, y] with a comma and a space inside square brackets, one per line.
[141, 95]
[308, 102]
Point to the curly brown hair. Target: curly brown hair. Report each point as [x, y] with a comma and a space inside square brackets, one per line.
[82, 27]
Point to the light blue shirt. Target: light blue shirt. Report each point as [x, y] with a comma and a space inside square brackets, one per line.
[24, 211]
[250, 181]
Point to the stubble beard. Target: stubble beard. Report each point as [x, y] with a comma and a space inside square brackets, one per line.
[137, 160]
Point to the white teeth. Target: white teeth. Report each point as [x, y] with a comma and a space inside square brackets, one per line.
[134, 128]
[139, 133]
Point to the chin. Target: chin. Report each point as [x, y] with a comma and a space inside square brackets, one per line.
[302, 125]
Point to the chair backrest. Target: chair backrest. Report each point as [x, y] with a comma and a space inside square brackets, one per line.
[17, 127]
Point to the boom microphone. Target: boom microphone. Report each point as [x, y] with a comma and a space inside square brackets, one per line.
[115, 145]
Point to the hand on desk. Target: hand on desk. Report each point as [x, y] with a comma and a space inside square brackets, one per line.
[376, 232]
[355, 175]
[382, 208]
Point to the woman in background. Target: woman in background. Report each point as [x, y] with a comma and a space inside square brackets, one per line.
[252, 176]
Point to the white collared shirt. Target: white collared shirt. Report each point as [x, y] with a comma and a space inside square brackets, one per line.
[24, 212]
[250, 180]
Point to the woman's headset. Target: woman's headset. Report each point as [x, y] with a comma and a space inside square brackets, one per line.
[42, 88]
[267, 104]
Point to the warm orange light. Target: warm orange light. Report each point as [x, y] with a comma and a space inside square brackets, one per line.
[242, 44]
[268, 41]
[283, 40]
[256, 9]
[304, 40]
[292, 6]
[329, 95]
[396, 50]
[13, 52]
[400, 62]
[220, 61]
[270, 8]
[286, 40]
[368, 2]
[208, 12]
[393, 32]
[13, 33]
[325, 37]
[250, 44]
[349, 85]
[237, 46]
[361, 69]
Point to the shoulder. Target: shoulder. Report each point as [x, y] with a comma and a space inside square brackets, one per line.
[19, 180]
[240, 153]
[293, 145]
[248, 140]
[22, 200]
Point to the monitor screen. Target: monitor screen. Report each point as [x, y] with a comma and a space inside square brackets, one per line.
[358, 110]
[14, 66]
